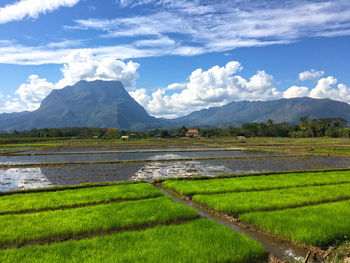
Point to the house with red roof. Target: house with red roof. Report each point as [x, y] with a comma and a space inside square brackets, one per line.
[192, 133]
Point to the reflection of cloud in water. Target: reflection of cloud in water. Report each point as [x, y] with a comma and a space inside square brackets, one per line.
[156, 170]
[22, 178]
[167, 156]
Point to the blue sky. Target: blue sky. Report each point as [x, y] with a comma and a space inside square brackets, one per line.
[176, 56]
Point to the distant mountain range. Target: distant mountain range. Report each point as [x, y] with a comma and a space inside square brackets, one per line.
[108, 104]
[282, 110]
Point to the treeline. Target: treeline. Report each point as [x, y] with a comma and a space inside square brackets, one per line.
[332, 127]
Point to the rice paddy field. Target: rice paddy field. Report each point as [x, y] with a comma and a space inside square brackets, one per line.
[207, 200]
[308, 208]
[135, 223]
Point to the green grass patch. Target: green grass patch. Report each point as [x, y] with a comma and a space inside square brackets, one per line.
[333, 150]
[261, 182]
[319, 225]
[77, 197]
[237, 203]
[70, 223]
[198, 241]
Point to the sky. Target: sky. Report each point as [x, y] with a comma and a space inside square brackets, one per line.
[176, 56]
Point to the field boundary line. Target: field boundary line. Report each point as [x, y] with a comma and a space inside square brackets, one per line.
[237, 175]
[280, 209]
[271, 189]
[123, 152]
[68, 187]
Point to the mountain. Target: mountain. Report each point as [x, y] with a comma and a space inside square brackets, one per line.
[107, 104]
[85, 104]
[282, 110]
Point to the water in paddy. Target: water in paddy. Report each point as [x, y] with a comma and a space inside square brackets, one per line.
[116, 156]
[127, 149]
[21, 178]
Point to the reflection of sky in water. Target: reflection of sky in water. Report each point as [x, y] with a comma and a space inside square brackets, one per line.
[22, 178]
[111, 150]
[86, 157]
[155, 170]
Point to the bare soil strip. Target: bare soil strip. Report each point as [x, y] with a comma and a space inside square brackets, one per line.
[123, 152]
[67, 187]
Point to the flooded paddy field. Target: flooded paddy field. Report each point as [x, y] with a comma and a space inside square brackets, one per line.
[33, 177]
[149, 154]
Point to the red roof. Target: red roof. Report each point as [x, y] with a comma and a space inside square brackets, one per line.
[192, 131]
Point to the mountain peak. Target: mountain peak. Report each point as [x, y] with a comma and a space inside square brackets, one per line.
[87, 103]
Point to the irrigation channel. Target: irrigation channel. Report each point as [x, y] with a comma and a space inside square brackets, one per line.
[282, 249]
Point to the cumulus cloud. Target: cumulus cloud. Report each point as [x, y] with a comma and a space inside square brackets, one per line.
[326, 88]
[215, 87]
[81, 65]
[295, 91]
[34, 91]
[311, 75]
[31, 9]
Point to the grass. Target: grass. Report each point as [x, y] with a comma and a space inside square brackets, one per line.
[237, 203]
[333, 150]
[251, 183]
[319, 225]
[70, 223]
[198, 241]
[340, 253]
[77, 197]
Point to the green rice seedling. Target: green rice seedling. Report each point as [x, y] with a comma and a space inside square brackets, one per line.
[76, 197]
[261, 182]
[237, 203]
[333, 150]
[70, 223]
[201, 240]
[319, 225]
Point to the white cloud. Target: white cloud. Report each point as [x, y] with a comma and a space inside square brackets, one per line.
[14, 105]
[31, 9]
[81, 65]
[295, 91]
[214, 87]
[206, 23]
[311, 75]
[184, 27]
[34, 91]
[325, 89]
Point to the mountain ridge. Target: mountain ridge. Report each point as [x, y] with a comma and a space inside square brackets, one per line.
[281, 110]
[107, 104]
